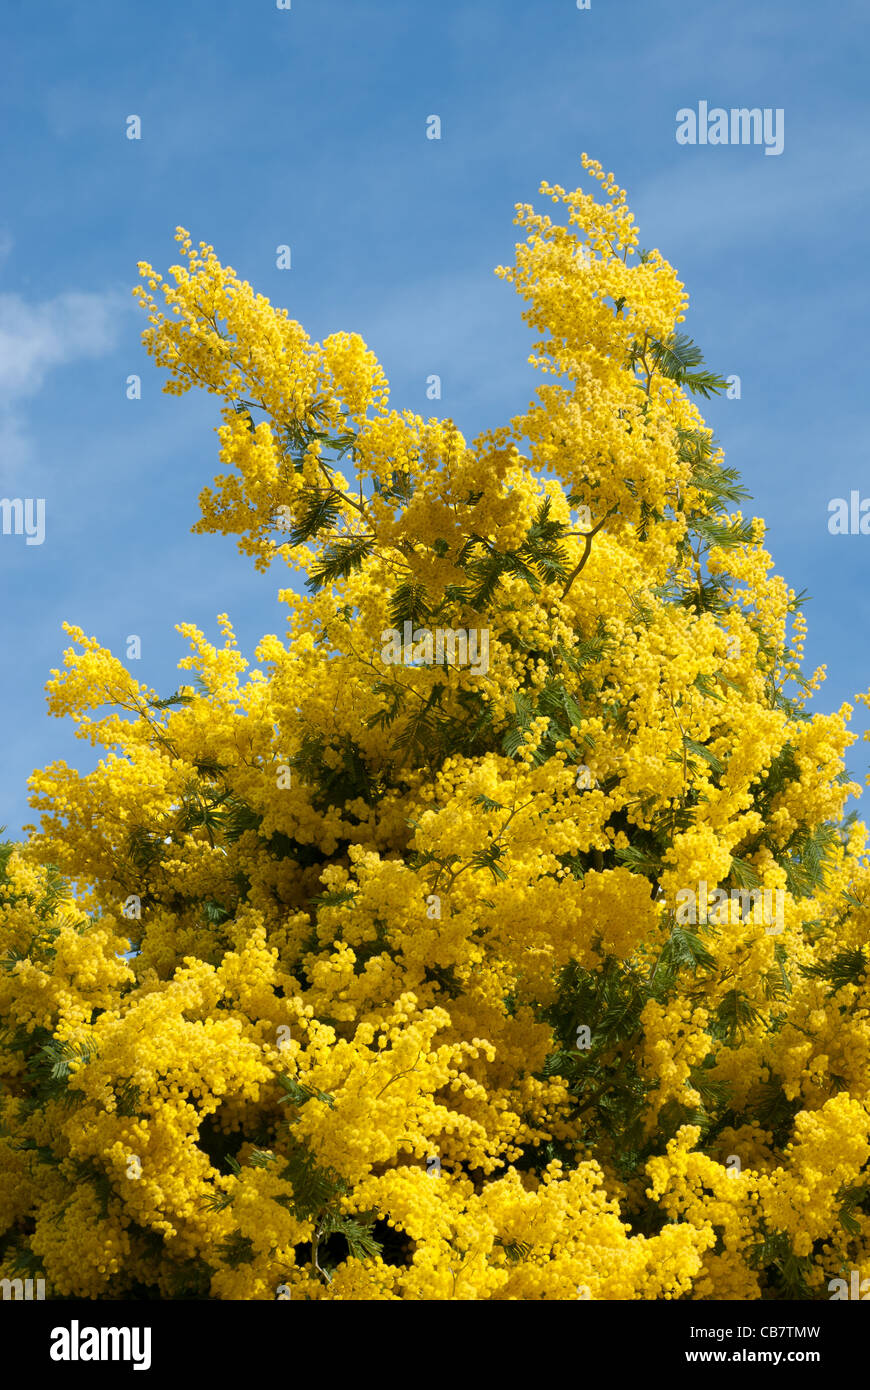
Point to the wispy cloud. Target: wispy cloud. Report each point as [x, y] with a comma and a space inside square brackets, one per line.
[36, 338]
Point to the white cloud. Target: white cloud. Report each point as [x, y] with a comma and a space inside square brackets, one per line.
[35, 338]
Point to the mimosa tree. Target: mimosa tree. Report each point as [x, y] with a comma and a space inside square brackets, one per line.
[368, 973]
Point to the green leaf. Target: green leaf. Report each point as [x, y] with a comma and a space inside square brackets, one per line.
[700, 751]
[356, 1231]
[339, 560]
[171, 701]
[734, 1015]
[262, 1158]
[684, 950]
[409, 603]
[299, 1095]
[679, 359]
[237, 1250]
[743, 874]
[847, 967]
[336, 898]
[316, 514]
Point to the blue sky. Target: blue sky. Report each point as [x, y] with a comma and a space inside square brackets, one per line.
[263, 126]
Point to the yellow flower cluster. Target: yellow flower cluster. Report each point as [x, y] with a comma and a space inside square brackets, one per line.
[357, 976]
